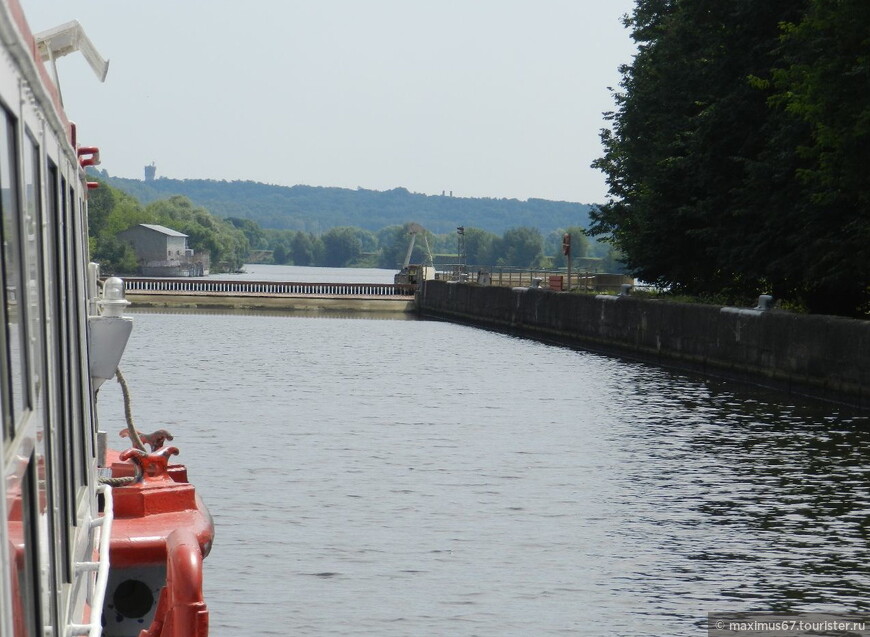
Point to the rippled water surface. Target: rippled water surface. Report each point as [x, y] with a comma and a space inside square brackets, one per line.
[401, 477]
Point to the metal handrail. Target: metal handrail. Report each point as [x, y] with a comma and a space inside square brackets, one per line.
[97, 589]
[286, 288]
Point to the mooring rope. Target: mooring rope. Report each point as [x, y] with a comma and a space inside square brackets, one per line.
[124, 480]
[128, 412]
[131, 431]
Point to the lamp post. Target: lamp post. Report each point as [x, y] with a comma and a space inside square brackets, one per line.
[566, 250]
[460, 249]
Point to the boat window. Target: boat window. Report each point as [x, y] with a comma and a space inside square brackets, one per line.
[71, 406]
[33, 224]
[79, 380]
[21, 525]
[14, 296]
[56, 334]
[31, 232]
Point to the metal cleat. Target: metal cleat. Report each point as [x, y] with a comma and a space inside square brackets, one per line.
[154, 464]
[155, 439]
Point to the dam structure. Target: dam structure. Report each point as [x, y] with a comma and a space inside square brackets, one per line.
[269, 295]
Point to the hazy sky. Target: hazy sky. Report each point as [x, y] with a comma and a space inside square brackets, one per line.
[485, 98]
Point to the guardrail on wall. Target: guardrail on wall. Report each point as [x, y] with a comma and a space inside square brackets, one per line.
[213, 286]
[506, 276]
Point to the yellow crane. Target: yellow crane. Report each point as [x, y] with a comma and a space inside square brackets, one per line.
[413, 274]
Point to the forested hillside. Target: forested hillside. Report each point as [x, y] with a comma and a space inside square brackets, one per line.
[230, 240]
[316, 209]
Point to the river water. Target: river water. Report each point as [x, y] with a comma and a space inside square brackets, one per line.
[407, 477]
[307, 274]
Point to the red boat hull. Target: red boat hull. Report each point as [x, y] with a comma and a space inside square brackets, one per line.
[160, 535]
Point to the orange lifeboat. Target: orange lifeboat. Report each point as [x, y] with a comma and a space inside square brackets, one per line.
[160, 535]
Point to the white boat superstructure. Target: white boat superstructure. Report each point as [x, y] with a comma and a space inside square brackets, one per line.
[79, 557]
[55, 517]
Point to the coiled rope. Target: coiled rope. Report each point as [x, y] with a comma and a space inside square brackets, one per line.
[124, 480]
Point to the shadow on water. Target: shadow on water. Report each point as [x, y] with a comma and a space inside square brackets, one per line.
[762, 505]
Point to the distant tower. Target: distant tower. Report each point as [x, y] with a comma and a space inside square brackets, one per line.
[150, 171]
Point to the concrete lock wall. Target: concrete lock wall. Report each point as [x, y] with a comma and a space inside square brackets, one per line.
[820, 356]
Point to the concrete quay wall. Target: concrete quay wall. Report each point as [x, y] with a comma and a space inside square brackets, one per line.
[823, 357]
[283, 303]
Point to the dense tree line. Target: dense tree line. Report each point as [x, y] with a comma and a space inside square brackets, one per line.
[521, 247]
[229, 241]
[737, 156]
[317, 209]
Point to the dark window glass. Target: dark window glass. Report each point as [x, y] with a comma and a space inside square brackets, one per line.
[70, 420]
[45, 446]
[59, 362]
[21, 526]
[77, 378]
[14, 294]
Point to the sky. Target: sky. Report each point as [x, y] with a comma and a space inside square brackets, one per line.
[481, 98]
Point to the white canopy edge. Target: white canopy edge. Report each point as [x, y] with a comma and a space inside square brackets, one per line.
[69, 38]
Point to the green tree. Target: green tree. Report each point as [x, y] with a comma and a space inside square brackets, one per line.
[718, 158]
[823, 82]
[479, 246]
[109, 212]
[341, 246]
[520, 247]
[227, 245]
[367, 239]
[393, 242]
[280, 242]
[316, 209]
[303, 249]
[280, 254]
[579, 245]
[115, 256]
[392, 246]
[100, 204]
[254, 233]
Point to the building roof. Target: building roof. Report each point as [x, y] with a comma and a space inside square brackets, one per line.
[163, 230]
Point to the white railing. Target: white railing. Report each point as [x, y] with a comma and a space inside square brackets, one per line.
[97, 586]
[287, 288]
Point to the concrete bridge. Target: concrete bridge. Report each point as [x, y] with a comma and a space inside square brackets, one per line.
[276, 295]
